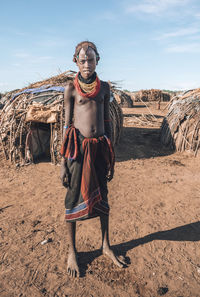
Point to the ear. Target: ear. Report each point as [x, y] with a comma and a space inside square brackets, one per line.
[97, 59]
[75, 60]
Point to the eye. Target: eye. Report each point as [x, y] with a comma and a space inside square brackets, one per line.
[91, 60]
[82, 62]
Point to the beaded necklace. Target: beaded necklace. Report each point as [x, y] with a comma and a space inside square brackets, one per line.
[87, 90]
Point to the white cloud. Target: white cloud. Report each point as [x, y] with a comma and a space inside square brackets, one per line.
[155, 6]
[3, 84]
[41, 59]
[4, 87]
[32, 59]
[53, 42]
[194, 37]
[184, 48]
[180, 33]
[16, 64]
[189, 85]
[22, 55]
[12, 31]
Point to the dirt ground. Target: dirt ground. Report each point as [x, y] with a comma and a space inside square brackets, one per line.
[154, 222]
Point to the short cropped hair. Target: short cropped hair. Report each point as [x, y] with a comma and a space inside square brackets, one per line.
[85, 45]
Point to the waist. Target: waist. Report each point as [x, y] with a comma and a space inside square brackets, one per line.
[90, 130]
[82, 137]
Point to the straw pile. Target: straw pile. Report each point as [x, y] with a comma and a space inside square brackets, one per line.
[181, 127]
[122, 98]
[151, 95]
[36, 114]
[6, 97]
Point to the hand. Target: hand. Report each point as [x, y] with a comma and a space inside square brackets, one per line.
[64, 175]
[110, 175]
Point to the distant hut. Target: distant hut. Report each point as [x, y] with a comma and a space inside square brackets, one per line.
[31, 121]
[122, 98]
[151, 95]
[180, 128]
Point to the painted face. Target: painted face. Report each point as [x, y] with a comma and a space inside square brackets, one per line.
[86, 62]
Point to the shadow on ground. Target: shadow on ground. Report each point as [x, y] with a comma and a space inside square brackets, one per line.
[131, 115]
[140, 143]
[189, 232]
[139, 106]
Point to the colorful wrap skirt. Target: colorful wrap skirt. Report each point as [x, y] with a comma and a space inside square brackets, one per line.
[88, 161]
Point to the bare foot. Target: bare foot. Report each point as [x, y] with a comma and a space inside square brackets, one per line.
[119, 261]
[72, 266]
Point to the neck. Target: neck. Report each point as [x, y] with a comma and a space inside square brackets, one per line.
[89, 80]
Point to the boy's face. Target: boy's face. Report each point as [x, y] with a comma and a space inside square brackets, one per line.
[86, 62]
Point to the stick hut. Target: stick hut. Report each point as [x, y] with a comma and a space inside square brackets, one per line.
[151, 95]
[180, 128]
[123, 99]
[31, 121]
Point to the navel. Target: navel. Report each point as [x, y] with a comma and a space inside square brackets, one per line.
[93, 130]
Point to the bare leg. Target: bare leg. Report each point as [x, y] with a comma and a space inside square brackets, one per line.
[105, 242]
[72, 266]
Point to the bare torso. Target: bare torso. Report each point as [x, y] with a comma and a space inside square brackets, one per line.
[88, 114]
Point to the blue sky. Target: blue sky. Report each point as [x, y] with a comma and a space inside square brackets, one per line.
[142, 44]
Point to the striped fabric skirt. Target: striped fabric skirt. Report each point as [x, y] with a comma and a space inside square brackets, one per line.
[86, 196]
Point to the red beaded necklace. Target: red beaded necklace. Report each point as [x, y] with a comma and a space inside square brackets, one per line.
[92, 94]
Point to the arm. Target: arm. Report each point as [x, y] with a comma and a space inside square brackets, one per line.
[107, 120]
[69, 107]
[107, 123]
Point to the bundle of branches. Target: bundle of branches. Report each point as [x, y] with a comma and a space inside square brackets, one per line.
[31, 122]
[181, 127]
[122, 98]
[141, 120]
[6, 97]
[57, 80]
[151, 95]
[185, 94]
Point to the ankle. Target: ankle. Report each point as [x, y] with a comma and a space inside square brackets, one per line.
[106, 246]
[72, 250]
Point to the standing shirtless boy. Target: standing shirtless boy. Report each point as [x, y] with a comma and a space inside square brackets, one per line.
[88, 156]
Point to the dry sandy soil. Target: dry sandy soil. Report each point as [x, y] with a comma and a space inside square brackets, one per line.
[154, 222]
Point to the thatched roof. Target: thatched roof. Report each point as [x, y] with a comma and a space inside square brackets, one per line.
[151, 95]
[40, 107]
[181, 127]
[123, 99]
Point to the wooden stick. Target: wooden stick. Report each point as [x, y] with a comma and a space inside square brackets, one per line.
[3, 146]
[53, 136]
[10, 157]
[51, 142]
[195, 153]
[148, 108]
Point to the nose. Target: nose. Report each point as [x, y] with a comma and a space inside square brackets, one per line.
[86, 63]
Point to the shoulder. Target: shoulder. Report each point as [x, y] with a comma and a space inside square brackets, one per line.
[69, 85]
[105, 86]
[69, 88]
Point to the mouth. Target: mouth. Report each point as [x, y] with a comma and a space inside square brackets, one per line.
[86, 73]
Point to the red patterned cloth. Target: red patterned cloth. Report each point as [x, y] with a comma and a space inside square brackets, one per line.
[90, 190]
